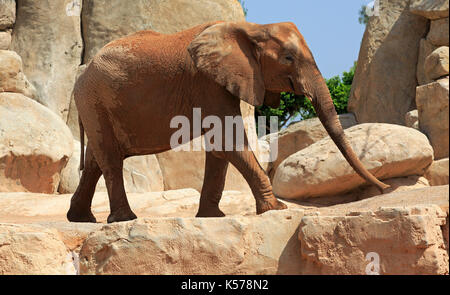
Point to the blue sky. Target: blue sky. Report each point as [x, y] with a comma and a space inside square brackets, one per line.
[330, 27]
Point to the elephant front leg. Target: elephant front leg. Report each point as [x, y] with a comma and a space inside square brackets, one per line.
[247, 164]
[213, 184]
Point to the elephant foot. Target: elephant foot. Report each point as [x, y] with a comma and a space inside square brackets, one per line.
[267, 205]
[121, 214]
[210, 212]
[80, 216]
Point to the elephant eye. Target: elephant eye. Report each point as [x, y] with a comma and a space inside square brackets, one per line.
[289, 58]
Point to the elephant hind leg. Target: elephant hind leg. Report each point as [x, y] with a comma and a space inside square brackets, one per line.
[213, 184]
[110, 160]
[80, 205]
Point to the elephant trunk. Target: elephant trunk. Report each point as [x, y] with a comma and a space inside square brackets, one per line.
[323, 105]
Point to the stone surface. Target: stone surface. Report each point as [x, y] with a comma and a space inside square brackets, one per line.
[412, 119]
[302, 134]
[44, 209]
[431, 9]
[141, 174]
[403, 240]
[436, 64]
[106, 20]
[432, 104]
[47, 35]
[12, 78]
[7, 13]
[425, 49]
[384, 85]
[238, 245]
[437, 173]
[35, 145]
[33, 250]
[438, 34]
[386, 150]
[398, 184]
[5, 40]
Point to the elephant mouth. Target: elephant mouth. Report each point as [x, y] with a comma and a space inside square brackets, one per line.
[292, 85]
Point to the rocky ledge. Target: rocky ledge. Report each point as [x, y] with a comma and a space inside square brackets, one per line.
[305, 239]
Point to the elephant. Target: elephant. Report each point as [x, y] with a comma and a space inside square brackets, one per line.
[134, 85]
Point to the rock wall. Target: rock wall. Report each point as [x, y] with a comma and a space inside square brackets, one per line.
[44, 46]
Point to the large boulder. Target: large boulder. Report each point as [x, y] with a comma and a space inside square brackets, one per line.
[302, 134]
[388, 241]
[12, 78]
[384, 85]
[438, 172]
[436, 64]
[33, 250]
[35, 144]
[106, 20]
[47, 35]
[187, 246]
[431, 9]
[432, 104]
[386, 150]
[7, 13]
[141, 174]
[5, 40]
[425, 49]
[438, 34]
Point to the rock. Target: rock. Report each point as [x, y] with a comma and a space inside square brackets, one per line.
[72, 116]
[438, 34]
[141, 174]
[196, 246]
[398, 184]
[386, 150]
[47, 35]
[302, 134]
[5, 40]
[412, 119]
[431, 9]
[384, 85]
[106, 20]
[437, 173]
[12, 78]
[425, 49]
[436, 64]
[33, 250]
[388, 241]
[35, 145]
[7, 13]
[432, 104]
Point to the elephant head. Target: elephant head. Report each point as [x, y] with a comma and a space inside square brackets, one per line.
[255, 62]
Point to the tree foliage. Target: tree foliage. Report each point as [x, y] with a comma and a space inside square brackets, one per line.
[363, 17]
[299, 107]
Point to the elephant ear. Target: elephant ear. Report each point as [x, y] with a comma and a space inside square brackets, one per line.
[226, 52]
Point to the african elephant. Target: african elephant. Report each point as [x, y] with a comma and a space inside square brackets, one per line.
[132, 88]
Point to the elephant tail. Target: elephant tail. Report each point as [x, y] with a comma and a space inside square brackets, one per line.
[81, 143]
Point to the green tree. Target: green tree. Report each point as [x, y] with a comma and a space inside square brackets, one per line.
[295, 106]
[363, 17]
